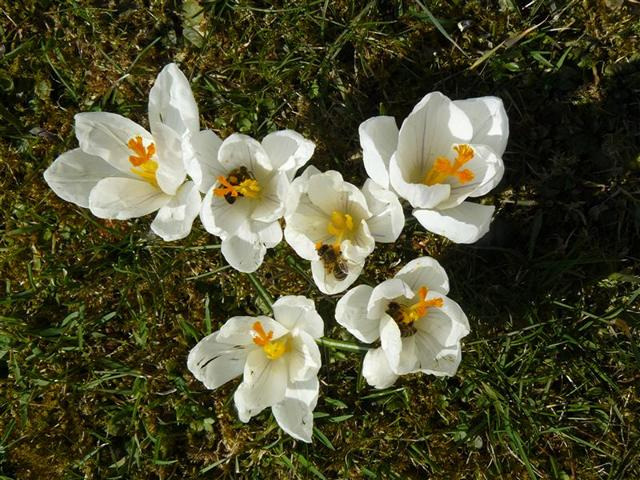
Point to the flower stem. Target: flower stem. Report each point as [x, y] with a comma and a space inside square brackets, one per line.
[266, 296]
[341, 345]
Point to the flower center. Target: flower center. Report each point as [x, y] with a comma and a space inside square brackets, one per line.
[443, 169]
[406, 315]
[239, 183]
[142, 162]
[332, 259]
[273, 349]
[340, 226]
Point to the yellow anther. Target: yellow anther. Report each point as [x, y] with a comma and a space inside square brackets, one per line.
[443, 168]
[249, 188]
[340, 226]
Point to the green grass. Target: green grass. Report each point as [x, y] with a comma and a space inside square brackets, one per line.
[97, 317]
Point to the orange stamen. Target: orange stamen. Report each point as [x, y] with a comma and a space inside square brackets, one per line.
[260, 337]
[142, 154]
[419, 309]
[443, 168]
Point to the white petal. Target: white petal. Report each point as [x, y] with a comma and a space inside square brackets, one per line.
[269, 206]
[215, 363]
[376, 369]
[436, 360]
[328, 283]
[306, 224]
[244, 253]
[329, 192]
[489, 120]
[264, 382]
[239, 330]
[390, 341]
[493, 173]
[224, 219]
[270, 234]
[171, 102]
[123, 198]
[431, 128]
[417, 194]
[299, 312]
[106, 135]
[408, 361]
[387, 221]
[466, 223]
[175, 219]
[357, 249]
[171, 171]
[288, 151]
[74, 173]
[201, 159]
[239, 150]
[424, 271]
[445, 325]
[385, 292]
[294, 414]
[379, 140]
[303, 358]
[351, 313]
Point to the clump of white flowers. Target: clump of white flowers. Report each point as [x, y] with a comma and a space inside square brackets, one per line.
[444, 153]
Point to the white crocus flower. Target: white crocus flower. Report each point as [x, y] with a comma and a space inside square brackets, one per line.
[335, 225]
[122, 171]
[419, 327]
[245, 184]
[278, 358]
[445, 152]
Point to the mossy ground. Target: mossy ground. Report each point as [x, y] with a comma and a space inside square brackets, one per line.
[97, 317]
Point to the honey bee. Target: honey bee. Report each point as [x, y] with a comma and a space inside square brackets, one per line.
[236, 177]
[394, 310]
[334, 262]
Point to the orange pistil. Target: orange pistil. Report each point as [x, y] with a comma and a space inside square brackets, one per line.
[142, 154]
[443, 168]
[260, 337]
[226, 189]
[419, 309]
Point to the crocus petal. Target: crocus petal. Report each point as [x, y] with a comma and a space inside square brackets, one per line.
[493, 173]
[244, 253]
[265, 381]
[297, 312]
[466, 223]
[73, 175]
[434, 360]
[408, 360]
[360, 246]
[269, 206]
[351, 313]
[429, 131]
[294, 414]
[378, 139]
[124, 198]
[239, 330]
[446, 325]
[306, 224]
[224, 219]
[424, 271]
[376, 369]
[328, 283]
[215, 363]
[175, 219]
[270, 234]
[171, 103]
[390, 341]
[106, 135]
[201, 159]
[490, 122]
[329, 192]
[240, 150]
[288, 151]
[387, 219]
[303, 358]
[171, 171]
[414, 192]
